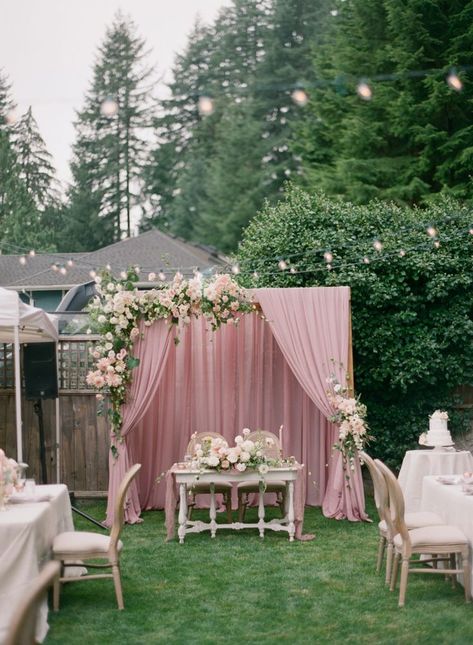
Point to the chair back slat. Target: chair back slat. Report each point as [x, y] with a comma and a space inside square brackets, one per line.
[199, 437]
[396, 502]
[381, 497]
[120, 501]
[23, 624]
[271, 448]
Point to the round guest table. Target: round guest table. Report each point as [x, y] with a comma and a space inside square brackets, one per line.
[419, 463]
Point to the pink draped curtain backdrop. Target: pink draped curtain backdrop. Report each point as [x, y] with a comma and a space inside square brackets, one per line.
[257, 375]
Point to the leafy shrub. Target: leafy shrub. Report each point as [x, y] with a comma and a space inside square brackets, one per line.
[412, 299]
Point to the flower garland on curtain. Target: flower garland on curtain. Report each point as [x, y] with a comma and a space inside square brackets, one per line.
[349, 415]
[118, 308]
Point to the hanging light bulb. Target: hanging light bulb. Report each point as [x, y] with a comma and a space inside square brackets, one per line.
[402, 253]
[109, 107]
[431, 231]
[11, 117]
[108, 267]
[328, 257]
[470, 231]
[92, 273]
[70, 263]
[300, 97]
[63, 270]
[378, 245]
[364, 91]
[205, 105]
[293, 270]
[32, 253]
[282, 264]
[235, 269]
[454, 82]
[123, 275]
[437, 244]
[22, 260]
[162, 276]
[366, 260]
[54, 267]
[329, 266]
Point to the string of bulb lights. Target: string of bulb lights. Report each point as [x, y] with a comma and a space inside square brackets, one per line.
[275, 265]
[299, 92]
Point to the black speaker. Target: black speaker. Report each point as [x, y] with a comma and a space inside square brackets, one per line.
[40, 370]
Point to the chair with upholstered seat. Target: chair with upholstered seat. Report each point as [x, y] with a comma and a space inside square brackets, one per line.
[441, 543]
[222, 488]
[23, 624]
[73, 546]
[386, 535]
[272, 450]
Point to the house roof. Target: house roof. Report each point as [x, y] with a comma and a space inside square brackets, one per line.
[153, 251]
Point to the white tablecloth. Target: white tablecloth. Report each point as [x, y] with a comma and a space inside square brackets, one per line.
[27, 531]
[419, 463]
[453, 506]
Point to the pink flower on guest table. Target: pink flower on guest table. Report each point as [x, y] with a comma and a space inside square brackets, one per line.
[225, 464]
[103, 364]
[241, 467]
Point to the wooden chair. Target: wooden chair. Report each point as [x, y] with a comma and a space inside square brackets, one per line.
[22, 630]
[445, 541]
[74, 546]
[385, 527]
[222, 488]
[245, 489]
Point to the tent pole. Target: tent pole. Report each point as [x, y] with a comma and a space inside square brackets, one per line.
[16, 350]
[58, 425]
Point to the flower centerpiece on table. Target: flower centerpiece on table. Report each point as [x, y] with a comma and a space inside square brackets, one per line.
[349, 415]
[8, 478]
[119, 307]
[214, 453]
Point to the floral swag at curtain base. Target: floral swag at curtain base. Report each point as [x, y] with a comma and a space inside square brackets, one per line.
[119, 307]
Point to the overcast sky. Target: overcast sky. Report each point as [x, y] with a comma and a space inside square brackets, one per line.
[47, 49]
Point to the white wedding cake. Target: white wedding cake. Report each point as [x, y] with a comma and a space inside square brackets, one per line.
[438, 434]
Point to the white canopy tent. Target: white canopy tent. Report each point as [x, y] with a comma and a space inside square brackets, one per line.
[21, 323]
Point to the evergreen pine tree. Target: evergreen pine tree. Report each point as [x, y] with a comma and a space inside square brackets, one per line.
[34, 163]
[409, 141]
[109, 152]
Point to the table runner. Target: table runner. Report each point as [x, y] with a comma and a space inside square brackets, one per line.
[299, 503]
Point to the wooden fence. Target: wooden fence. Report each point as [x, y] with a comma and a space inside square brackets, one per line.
[84, 441]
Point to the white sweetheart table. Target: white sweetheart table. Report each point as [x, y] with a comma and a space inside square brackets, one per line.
[186, 477]
[27, 531]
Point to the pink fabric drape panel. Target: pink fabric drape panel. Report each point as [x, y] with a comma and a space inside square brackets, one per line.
[311, 327]
[152, 348]
[224, 381]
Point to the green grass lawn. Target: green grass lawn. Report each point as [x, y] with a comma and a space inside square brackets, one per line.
[238, 588]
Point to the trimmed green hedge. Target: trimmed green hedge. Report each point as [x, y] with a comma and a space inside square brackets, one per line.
[412, 301]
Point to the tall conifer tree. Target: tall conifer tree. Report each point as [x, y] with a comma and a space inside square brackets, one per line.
[109, 152]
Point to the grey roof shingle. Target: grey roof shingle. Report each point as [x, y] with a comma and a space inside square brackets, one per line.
[151, 251]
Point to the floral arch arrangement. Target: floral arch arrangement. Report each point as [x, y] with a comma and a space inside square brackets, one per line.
[119, 307]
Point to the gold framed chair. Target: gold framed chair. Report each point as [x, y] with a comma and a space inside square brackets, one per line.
[442, 543]
[23, 624]
[386, 535]
[272, 450]
[222, 488]
[73, 546]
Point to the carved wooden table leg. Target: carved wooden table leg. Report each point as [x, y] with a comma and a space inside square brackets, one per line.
[182, 513]
[290, 516]
[213, 511]
[261, 509]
